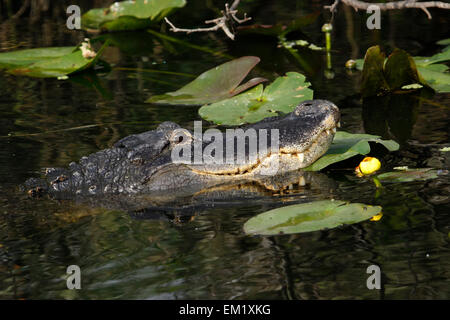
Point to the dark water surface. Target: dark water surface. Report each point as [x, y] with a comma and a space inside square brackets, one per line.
[209, 257]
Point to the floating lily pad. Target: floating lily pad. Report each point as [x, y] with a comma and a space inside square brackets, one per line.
[407, 175]
[283, 95]
[129, 15]
[307, 217]
[47, 62]
[437, 58]
[15, 59]
[439, 80]
[346, 145]
[216, 84]
[444, 42]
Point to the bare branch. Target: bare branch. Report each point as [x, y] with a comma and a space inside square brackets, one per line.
[426, 11]
[333, 7]
[394, 5]
[175, 29]
[228, 16]
[235, 4]
[245, 19]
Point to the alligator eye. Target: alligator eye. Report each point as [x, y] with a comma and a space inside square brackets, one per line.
[180, 136]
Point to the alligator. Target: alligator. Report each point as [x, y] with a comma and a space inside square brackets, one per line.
[142, 166]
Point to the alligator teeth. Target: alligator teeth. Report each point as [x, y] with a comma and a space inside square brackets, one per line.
[301, 157]
[339, 124]
[302, 181]
[334, 130]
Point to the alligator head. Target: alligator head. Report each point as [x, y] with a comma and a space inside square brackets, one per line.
[144, 163]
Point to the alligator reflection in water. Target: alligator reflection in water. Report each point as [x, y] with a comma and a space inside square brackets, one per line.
[291, 187]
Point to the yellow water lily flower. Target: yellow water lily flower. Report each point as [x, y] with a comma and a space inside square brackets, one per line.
[376, 217]
[367, 166]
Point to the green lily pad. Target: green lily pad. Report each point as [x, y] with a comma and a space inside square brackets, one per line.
[15, 59]
[444, 42]
[438, 80]
[48, 62]
[308, 217]
[129, 15]
[346, 145]
[283, 95]
[216, 84]
[61, 66]
[437, 58]
[408, 175]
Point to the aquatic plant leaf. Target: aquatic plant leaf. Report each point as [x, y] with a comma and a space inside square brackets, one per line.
[216, 84]
[308, 217]
[433, 72]
[438, 80]
[400, 70]
[47, 62]
[346, 145]
[373, 80]
[442, 56]
[129, 15]
[26, 57]
[58, 66]
[283, 95]
[444, 42]
[408, 175]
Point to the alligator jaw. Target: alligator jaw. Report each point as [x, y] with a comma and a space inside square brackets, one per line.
[305, 135]
[296, 159]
